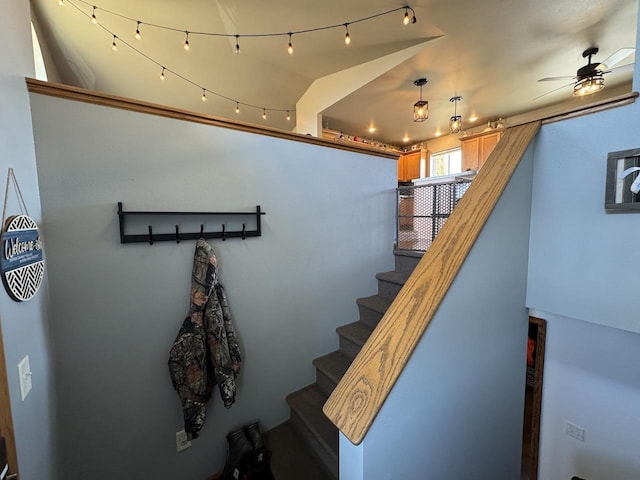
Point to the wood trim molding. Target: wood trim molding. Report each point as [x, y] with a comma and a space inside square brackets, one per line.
[98, 98]
[6, 418]
[357, 399]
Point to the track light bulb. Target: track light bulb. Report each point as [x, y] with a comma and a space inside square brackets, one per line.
[204, 95]
[61, 3]
[186, 41]
[347, 37]
[114, 47]
[237, 47]
[94, 20]
[162, 74]
[264, 113]
[288, 116]
[290, 48]
[138, 36]
[237, 107]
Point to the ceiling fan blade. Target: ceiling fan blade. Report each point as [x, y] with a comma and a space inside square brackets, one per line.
[554, 79]
[615, 58]
[621, 68]
[551, 91]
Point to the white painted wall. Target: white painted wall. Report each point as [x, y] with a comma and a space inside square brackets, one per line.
[456, 410]
[116, 308]
[592, 379]
[25, 326]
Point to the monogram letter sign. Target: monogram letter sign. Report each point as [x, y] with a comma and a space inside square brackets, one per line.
[22, 263]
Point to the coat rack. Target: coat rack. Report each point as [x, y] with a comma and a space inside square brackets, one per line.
[176, 236]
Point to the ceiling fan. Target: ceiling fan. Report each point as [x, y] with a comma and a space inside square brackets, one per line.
[589, 79]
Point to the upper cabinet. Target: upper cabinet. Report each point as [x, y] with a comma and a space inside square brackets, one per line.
[476, 149]
[409, 166]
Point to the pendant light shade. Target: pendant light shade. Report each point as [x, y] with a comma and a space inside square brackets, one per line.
[421, 107]
[455, 122]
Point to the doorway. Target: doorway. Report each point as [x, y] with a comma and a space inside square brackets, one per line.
[7, 443]
[533, 398]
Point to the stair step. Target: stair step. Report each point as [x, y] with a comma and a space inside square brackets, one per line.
[352, 337]
[291, 458]
[372, 309]
[330, 369]
[406, 260]
[318, 431]
[390, 283]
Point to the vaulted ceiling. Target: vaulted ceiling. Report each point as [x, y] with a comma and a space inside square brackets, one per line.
[491, 53]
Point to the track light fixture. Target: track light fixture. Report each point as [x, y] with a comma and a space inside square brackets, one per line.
[406, 19]
[347, 37]
[290, 48]
[421, 107]
[138, 36]
[94, 19]
[237, 47]
[455, 122]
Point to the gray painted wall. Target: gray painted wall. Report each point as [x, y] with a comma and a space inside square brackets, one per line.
[456, 410]
[24, 325]
[583, 281]
[116, 308]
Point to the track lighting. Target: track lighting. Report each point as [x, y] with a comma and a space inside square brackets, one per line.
[237, 107]
[421, 107]
[347, 37]
[94, 20]
[186, 40]
[406, 20]
[162, 74]
[204, 95]
[114, 47]
[288, 116]
[264, 113]
[61, 3]
[237, 47]
[138, 36]
[455, 122]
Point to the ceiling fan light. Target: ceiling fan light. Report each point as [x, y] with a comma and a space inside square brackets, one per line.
[588, 85]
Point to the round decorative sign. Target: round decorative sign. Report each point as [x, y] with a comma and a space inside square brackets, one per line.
[22, 264]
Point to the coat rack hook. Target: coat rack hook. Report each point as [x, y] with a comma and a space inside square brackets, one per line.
[202, 230]
[244, 231]
[150, 235]
[177, 234]
[224, 235]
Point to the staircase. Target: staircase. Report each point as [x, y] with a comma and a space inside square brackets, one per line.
[306, 445]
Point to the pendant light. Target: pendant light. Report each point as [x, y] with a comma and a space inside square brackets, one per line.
[421, 107]
[455, 122]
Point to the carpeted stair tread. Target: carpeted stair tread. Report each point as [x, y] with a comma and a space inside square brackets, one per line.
[291, 457]
[356, 332]
[399, 278]
[375, 302]
[333, 366]
[307, 404]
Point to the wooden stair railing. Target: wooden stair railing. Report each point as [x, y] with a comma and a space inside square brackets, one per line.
[357, 399]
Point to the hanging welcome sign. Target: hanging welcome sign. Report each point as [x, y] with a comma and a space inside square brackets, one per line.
[22, 263]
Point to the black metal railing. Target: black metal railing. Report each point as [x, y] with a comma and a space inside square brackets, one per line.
[422, 210]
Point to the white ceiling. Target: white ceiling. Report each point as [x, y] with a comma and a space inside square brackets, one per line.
[490, 52]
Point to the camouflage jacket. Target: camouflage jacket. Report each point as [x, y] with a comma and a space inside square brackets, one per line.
[205, 352]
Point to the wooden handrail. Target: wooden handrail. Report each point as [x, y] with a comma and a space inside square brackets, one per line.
[98, 98]
[357, 399]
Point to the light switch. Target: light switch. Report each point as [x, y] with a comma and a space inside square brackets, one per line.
[24, 372]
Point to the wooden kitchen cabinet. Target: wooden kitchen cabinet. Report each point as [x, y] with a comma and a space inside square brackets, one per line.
[409, 166]
[476, 149]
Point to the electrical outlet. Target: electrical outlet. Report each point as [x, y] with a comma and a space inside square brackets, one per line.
[574, 431]
[181, 441]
